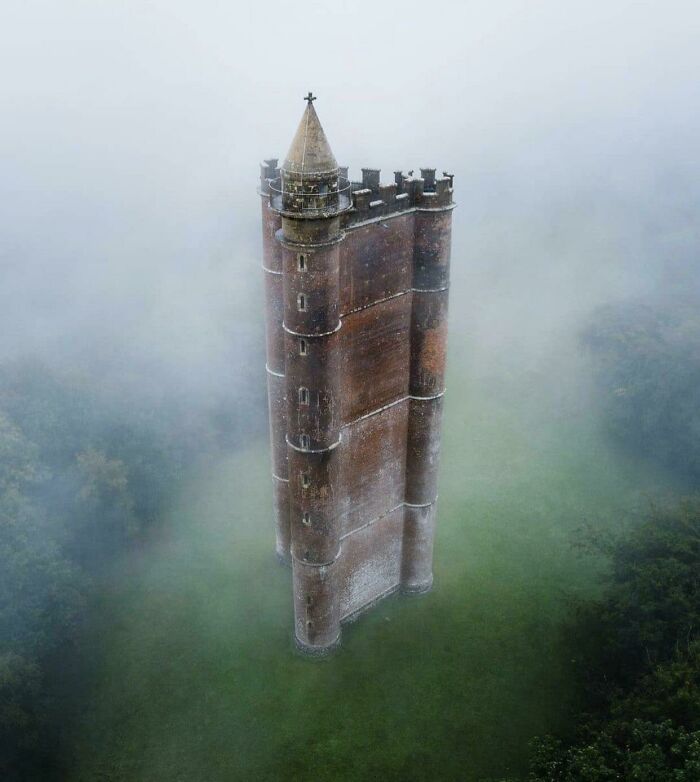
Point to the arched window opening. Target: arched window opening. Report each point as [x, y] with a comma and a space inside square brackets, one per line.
[305, 442]
[306, 519]
[303, 347]
[301, 262]
[305, 480]
[301, 302]
[303, 396]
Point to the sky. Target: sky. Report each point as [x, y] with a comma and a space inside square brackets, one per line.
[132, 133]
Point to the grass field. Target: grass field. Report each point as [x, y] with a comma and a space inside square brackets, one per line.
[191, 673]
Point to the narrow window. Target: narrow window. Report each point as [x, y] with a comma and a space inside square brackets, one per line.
[303, 396]
[308, 600]
[301, 302]
[303, 347]
[306, 555]
[301, 258]
[309, 626]
[305, 442]
[305, 480]
[306, 519]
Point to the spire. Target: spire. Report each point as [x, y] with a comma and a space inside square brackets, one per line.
[310, 151]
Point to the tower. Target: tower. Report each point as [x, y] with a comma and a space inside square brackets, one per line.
[356, 285]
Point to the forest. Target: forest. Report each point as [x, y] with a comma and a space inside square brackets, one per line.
[85, 478]
[86, 486]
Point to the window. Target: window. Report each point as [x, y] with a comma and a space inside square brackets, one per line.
[305, 442]
[306, 519]
[305, 480]
[301, 258]
[303, 396]
[308, 600]
[301, 302]
[303, 347]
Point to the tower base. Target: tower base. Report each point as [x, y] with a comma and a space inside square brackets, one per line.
[316, 652]
[417, 589]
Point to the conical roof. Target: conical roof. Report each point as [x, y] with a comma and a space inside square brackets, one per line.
[310, 151]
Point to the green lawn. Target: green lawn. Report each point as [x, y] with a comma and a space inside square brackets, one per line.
[192, 674]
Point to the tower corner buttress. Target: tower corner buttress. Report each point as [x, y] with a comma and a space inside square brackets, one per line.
[309, 196]
[274, 364]
[428, 353]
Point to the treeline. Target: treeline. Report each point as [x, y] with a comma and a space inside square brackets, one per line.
[637, 655]
[85, 475]
[637, 649]
[646, 358]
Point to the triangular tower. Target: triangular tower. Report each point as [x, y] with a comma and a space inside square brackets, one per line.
[356, 280]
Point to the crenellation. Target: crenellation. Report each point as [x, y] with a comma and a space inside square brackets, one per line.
[428, 176]
[370, 178]
[361, 199]
[388, 193]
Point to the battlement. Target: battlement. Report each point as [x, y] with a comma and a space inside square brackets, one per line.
[369, 197]
[372, 198]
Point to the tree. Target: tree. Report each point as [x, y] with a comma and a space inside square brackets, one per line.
[638, 654]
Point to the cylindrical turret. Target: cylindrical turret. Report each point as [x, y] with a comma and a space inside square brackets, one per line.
[426, 389]
[276, 385]
[309, 197]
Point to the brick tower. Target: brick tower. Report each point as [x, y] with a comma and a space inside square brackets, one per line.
[356, 282]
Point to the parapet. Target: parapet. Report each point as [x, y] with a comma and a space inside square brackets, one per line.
[371, 198]
[269, 172]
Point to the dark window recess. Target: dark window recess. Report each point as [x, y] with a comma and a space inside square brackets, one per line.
[301, 302]
[302, 262]
[305, 442]
[303, 347]
[303, 396]
[305, 480]
[306, 519]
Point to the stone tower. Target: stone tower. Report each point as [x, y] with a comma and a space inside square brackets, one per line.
[356, 282]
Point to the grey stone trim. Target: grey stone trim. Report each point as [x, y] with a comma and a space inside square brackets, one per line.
[322, 334]
[272, 372]
[312, 450]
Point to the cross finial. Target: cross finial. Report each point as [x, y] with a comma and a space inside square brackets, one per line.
[310, 98]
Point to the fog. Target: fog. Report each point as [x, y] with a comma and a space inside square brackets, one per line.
[132, 133]
[130, 257]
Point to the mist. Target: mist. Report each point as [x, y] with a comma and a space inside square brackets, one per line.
[133, 132]
[130, 259]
